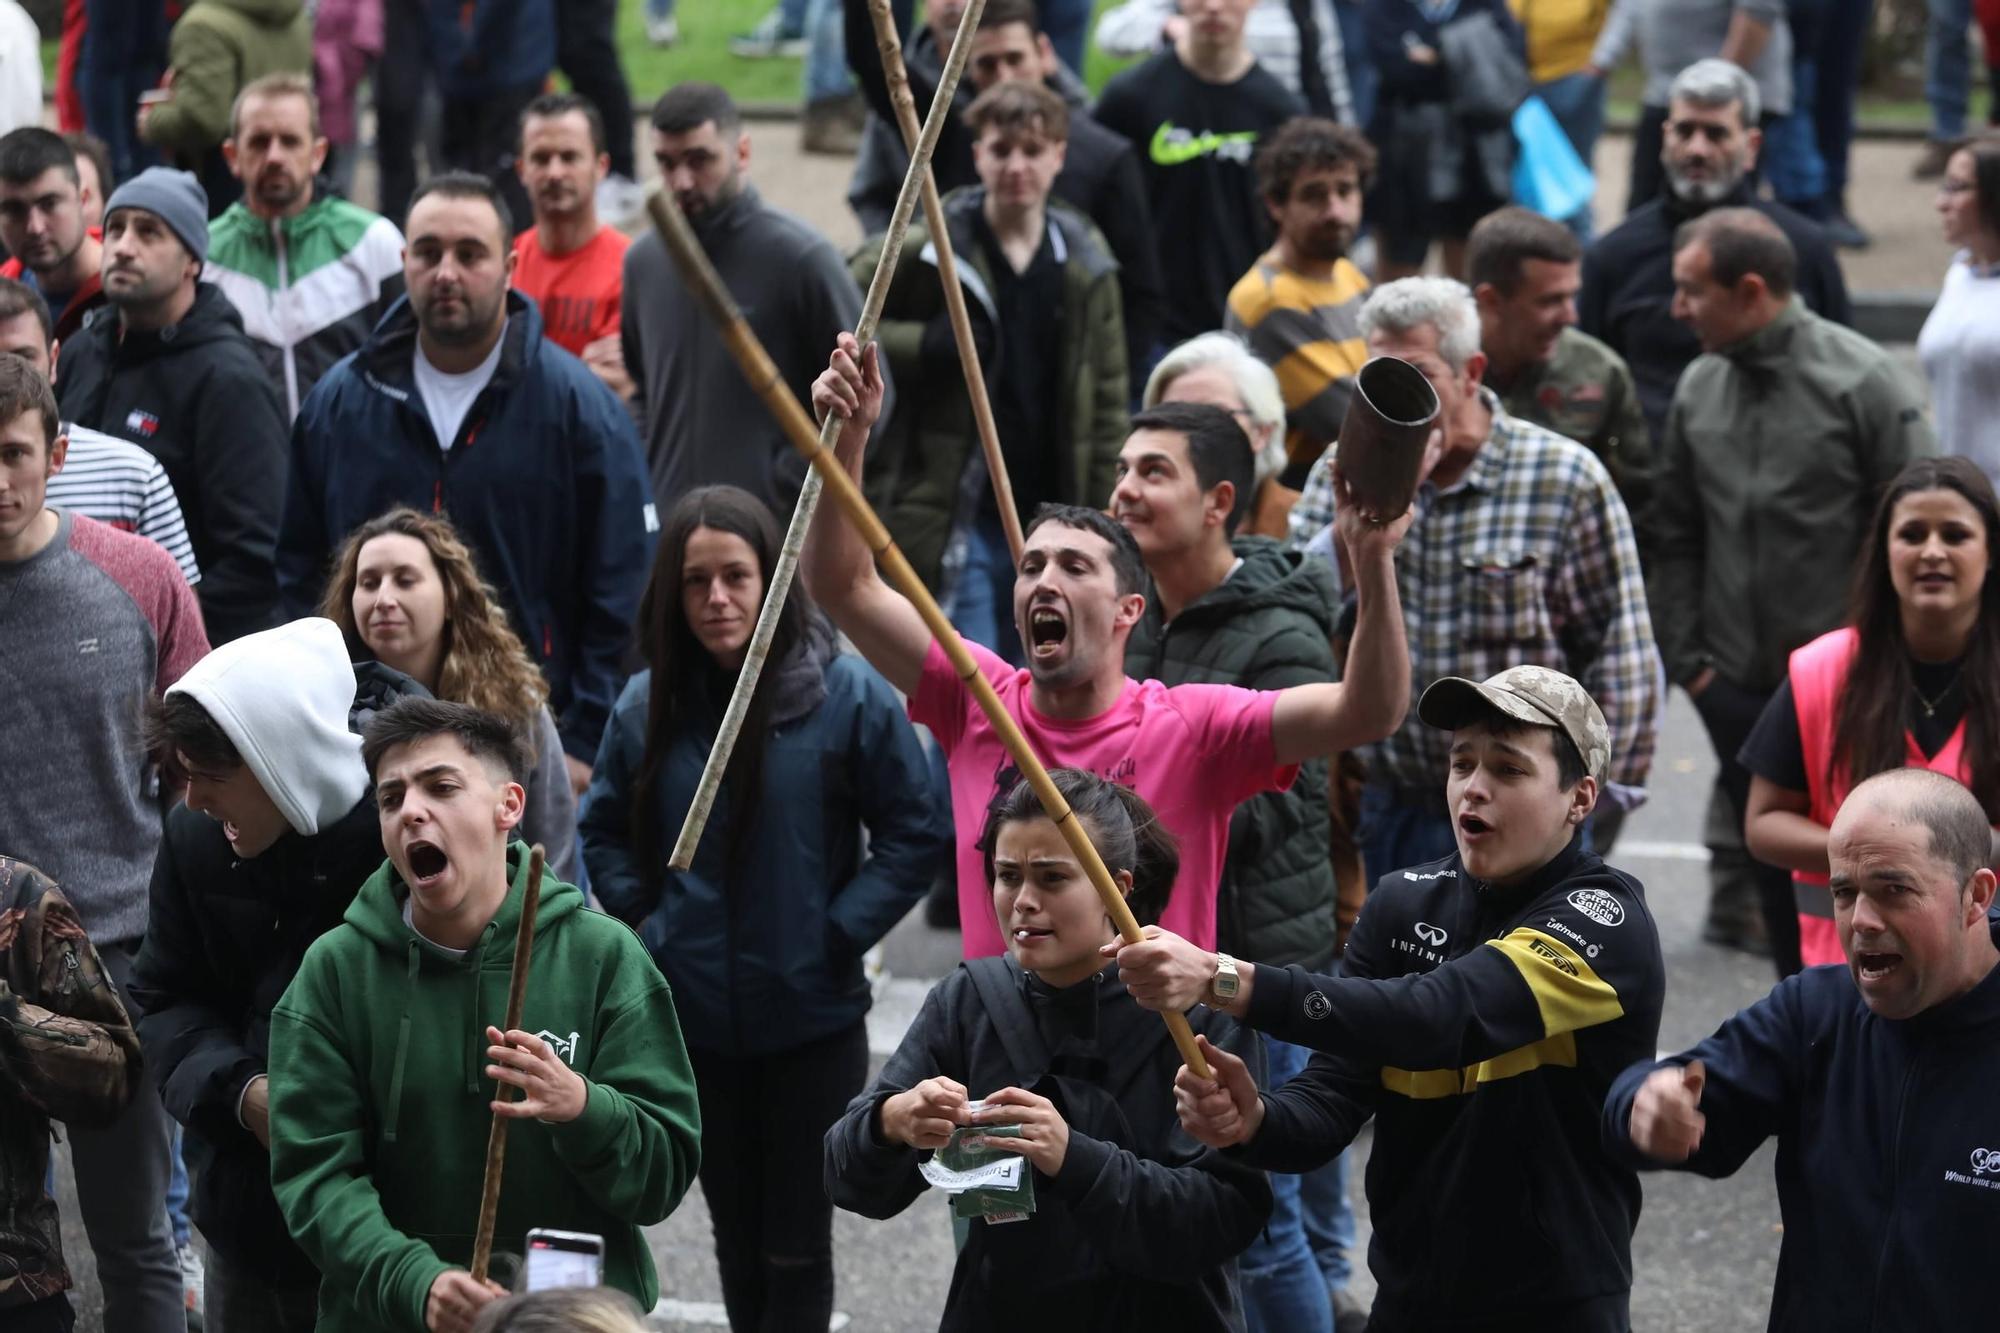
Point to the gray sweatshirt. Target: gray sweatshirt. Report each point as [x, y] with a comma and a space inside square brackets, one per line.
[703, 424]
[1673, 34]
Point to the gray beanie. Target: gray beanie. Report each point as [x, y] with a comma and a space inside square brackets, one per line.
[176, 198]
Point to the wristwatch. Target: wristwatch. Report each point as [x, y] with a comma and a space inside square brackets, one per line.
[1226, 983]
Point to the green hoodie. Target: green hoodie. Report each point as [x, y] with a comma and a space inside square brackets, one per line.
[379, 1104]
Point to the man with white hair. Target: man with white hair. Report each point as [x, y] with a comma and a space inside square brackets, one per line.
[1522, 554]
[1711, 146]
[1218, 369]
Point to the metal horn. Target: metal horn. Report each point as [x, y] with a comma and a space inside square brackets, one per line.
[1389, 421]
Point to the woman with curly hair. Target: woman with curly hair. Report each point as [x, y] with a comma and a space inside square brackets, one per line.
[406, 593]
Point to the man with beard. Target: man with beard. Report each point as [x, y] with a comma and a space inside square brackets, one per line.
[310, 275]
[1194, 751]
[1524, 271]
[1299, 307]
[44, 207]
[168, 368]
[569, 262]
[1712, 141]
[704, 424]
[457, 404]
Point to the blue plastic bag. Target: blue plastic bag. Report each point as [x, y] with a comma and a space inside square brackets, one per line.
[1549, 177]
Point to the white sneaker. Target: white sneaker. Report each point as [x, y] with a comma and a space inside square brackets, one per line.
[663, 32]
[620, 202]
[193, 1284]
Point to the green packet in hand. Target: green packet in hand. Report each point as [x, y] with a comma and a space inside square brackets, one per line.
[983, 1182]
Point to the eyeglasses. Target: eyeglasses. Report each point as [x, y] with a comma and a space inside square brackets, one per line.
[1950, 186]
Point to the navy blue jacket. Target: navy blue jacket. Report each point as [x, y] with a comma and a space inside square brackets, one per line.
[773, 960]
[545, 481]
[1888, 1148]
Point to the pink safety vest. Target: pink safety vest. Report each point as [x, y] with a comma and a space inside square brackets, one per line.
[1818, 673]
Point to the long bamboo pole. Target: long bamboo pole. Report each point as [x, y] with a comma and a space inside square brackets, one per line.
[496, 1137]
[905, 103]
[701, 278]
[802, 513]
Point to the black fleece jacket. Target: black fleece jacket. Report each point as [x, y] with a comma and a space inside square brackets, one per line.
[195, 396]
[1140, 1227]
[1481, 1027]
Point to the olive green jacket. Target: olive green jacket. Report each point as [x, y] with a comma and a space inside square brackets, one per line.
[217, 47]
[918, 458]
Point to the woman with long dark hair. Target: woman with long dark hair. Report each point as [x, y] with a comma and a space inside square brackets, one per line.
[1913, 680]
[762, 937]
[1960, 342]
[1133, 1225]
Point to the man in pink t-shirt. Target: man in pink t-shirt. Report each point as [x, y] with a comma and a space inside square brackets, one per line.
[1193, 751]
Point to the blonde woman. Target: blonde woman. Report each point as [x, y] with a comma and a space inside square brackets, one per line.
[406, 593]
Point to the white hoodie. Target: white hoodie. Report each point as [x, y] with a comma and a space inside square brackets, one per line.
[282, 697]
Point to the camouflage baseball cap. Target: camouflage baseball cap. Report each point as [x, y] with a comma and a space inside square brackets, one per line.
[1532, 694]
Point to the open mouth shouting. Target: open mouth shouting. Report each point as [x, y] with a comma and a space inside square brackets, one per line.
[1048, 631]
[1471, 828]
[427, 863]
[1872, 966]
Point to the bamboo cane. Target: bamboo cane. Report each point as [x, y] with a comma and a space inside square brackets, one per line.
[802, 513]
[496, 1137]
[701, 278]
[905, 103]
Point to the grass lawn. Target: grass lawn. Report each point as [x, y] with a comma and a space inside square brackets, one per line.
[707, 26]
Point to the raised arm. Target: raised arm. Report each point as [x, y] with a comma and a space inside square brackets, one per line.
[839, 571]
[1369, 703]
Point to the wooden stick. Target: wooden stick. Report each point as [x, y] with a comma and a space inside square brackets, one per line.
[891, 47]
[802, 512]
[701, 278]
[496, 1137]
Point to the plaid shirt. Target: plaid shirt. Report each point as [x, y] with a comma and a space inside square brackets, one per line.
[1528, 558]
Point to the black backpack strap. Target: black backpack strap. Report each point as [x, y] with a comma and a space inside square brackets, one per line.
[1007, 1008]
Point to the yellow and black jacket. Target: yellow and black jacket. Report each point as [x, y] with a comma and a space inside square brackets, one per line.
[1482, 1028]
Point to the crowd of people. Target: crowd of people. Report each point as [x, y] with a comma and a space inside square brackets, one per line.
[345, 555]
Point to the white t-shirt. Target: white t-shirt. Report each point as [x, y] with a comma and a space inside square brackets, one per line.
[410, 920]
[447, 398]
[1960, 351]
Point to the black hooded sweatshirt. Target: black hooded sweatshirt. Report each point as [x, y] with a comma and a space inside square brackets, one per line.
[1140, 1227]
[195, 396]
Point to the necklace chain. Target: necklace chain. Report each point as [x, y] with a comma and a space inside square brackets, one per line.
[1930, 706]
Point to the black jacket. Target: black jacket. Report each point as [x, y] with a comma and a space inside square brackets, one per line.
[1628, 291]
[1100, 175]
[195, 396]
[1268, 626]
[1888, 1157]
[1481, 1028]
[545, 482]
[1140, 1227]
[224, 937]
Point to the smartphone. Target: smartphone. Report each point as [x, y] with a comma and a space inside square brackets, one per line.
[563, 1259]
[155, 96]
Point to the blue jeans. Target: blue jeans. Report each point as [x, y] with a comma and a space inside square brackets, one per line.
[1843, 41]
[1948, 66]
[1791, 148]
[1329, 1220]
[124, 51]
[1577, 102]
[1066, 23]
[659, 9]
[826, 52]
[177, 1197]
[982, 599]
[1398, 831]
[1282, 1287]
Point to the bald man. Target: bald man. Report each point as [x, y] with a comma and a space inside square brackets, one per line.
[1879, 1080]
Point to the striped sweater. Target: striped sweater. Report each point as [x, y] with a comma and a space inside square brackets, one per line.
[115, 481]
[1308, 330]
